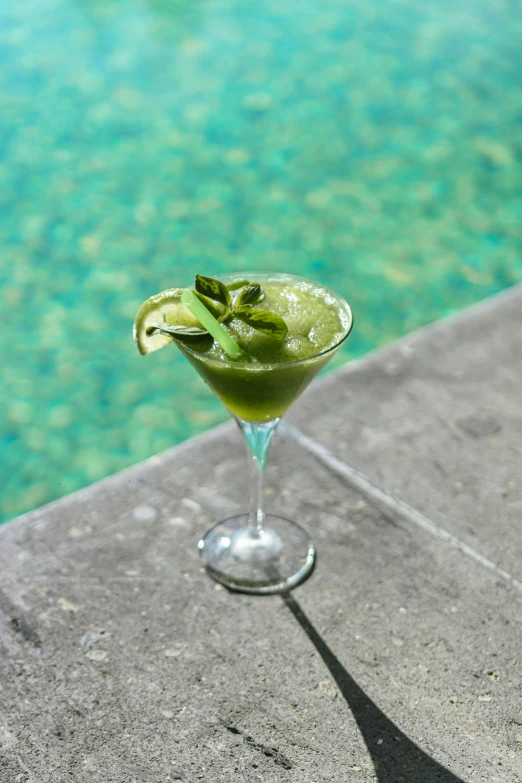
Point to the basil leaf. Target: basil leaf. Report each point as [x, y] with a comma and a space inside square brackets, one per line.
[251, 294]
[198, 339]
[237, 284]
[216, 308]
[263, 320]
[214, 289]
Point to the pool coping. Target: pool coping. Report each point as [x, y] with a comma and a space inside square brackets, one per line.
[122, 660]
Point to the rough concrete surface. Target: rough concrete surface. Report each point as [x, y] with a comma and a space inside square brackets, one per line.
[436, 420]
[396, 662]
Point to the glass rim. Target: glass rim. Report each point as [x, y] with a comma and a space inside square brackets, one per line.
[273, 365]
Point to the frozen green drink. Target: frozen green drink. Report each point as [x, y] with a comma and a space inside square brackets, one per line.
[262, 384]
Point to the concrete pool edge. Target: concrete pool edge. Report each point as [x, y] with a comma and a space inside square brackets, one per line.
[440, 403]
[145, 669]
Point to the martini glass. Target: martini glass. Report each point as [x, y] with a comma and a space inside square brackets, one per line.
[256, 552]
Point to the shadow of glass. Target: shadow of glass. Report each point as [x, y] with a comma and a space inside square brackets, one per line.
[395, 757]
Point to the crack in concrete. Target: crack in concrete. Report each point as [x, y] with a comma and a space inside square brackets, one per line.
[272, 753]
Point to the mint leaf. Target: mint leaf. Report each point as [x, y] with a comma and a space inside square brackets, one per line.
[218, 310]
[263, 320]
[196, 338]
[214, 289]
[237, 284]
[251, 294]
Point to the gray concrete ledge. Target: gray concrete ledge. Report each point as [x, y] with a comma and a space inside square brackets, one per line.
[397, 662]
[435, 420]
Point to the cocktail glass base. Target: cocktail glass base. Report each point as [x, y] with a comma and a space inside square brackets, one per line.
[272, 561]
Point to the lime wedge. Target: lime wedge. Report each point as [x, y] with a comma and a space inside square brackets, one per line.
[165, 307]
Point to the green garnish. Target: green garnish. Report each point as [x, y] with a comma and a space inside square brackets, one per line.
[210, 324]
[264, 321]
[213, 289]
[251, 294]
[191, 335]
[218, 310]
[216, 298]
[237, 284]
[242, 306]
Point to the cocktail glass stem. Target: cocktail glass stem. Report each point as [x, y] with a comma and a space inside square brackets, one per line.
[257, 552]
[258, 437]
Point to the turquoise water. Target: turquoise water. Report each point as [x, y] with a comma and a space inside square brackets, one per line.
[373, 146]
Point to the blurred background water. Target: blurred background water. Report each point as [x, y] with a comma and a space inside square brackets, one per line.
[374, 146]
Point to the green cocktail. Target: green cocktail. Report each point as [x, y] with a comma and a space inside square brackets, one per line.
[261, 385]
[280, 330]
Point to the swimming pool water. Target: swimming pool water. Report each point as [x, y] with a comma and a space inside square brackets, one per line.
[375, 147]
